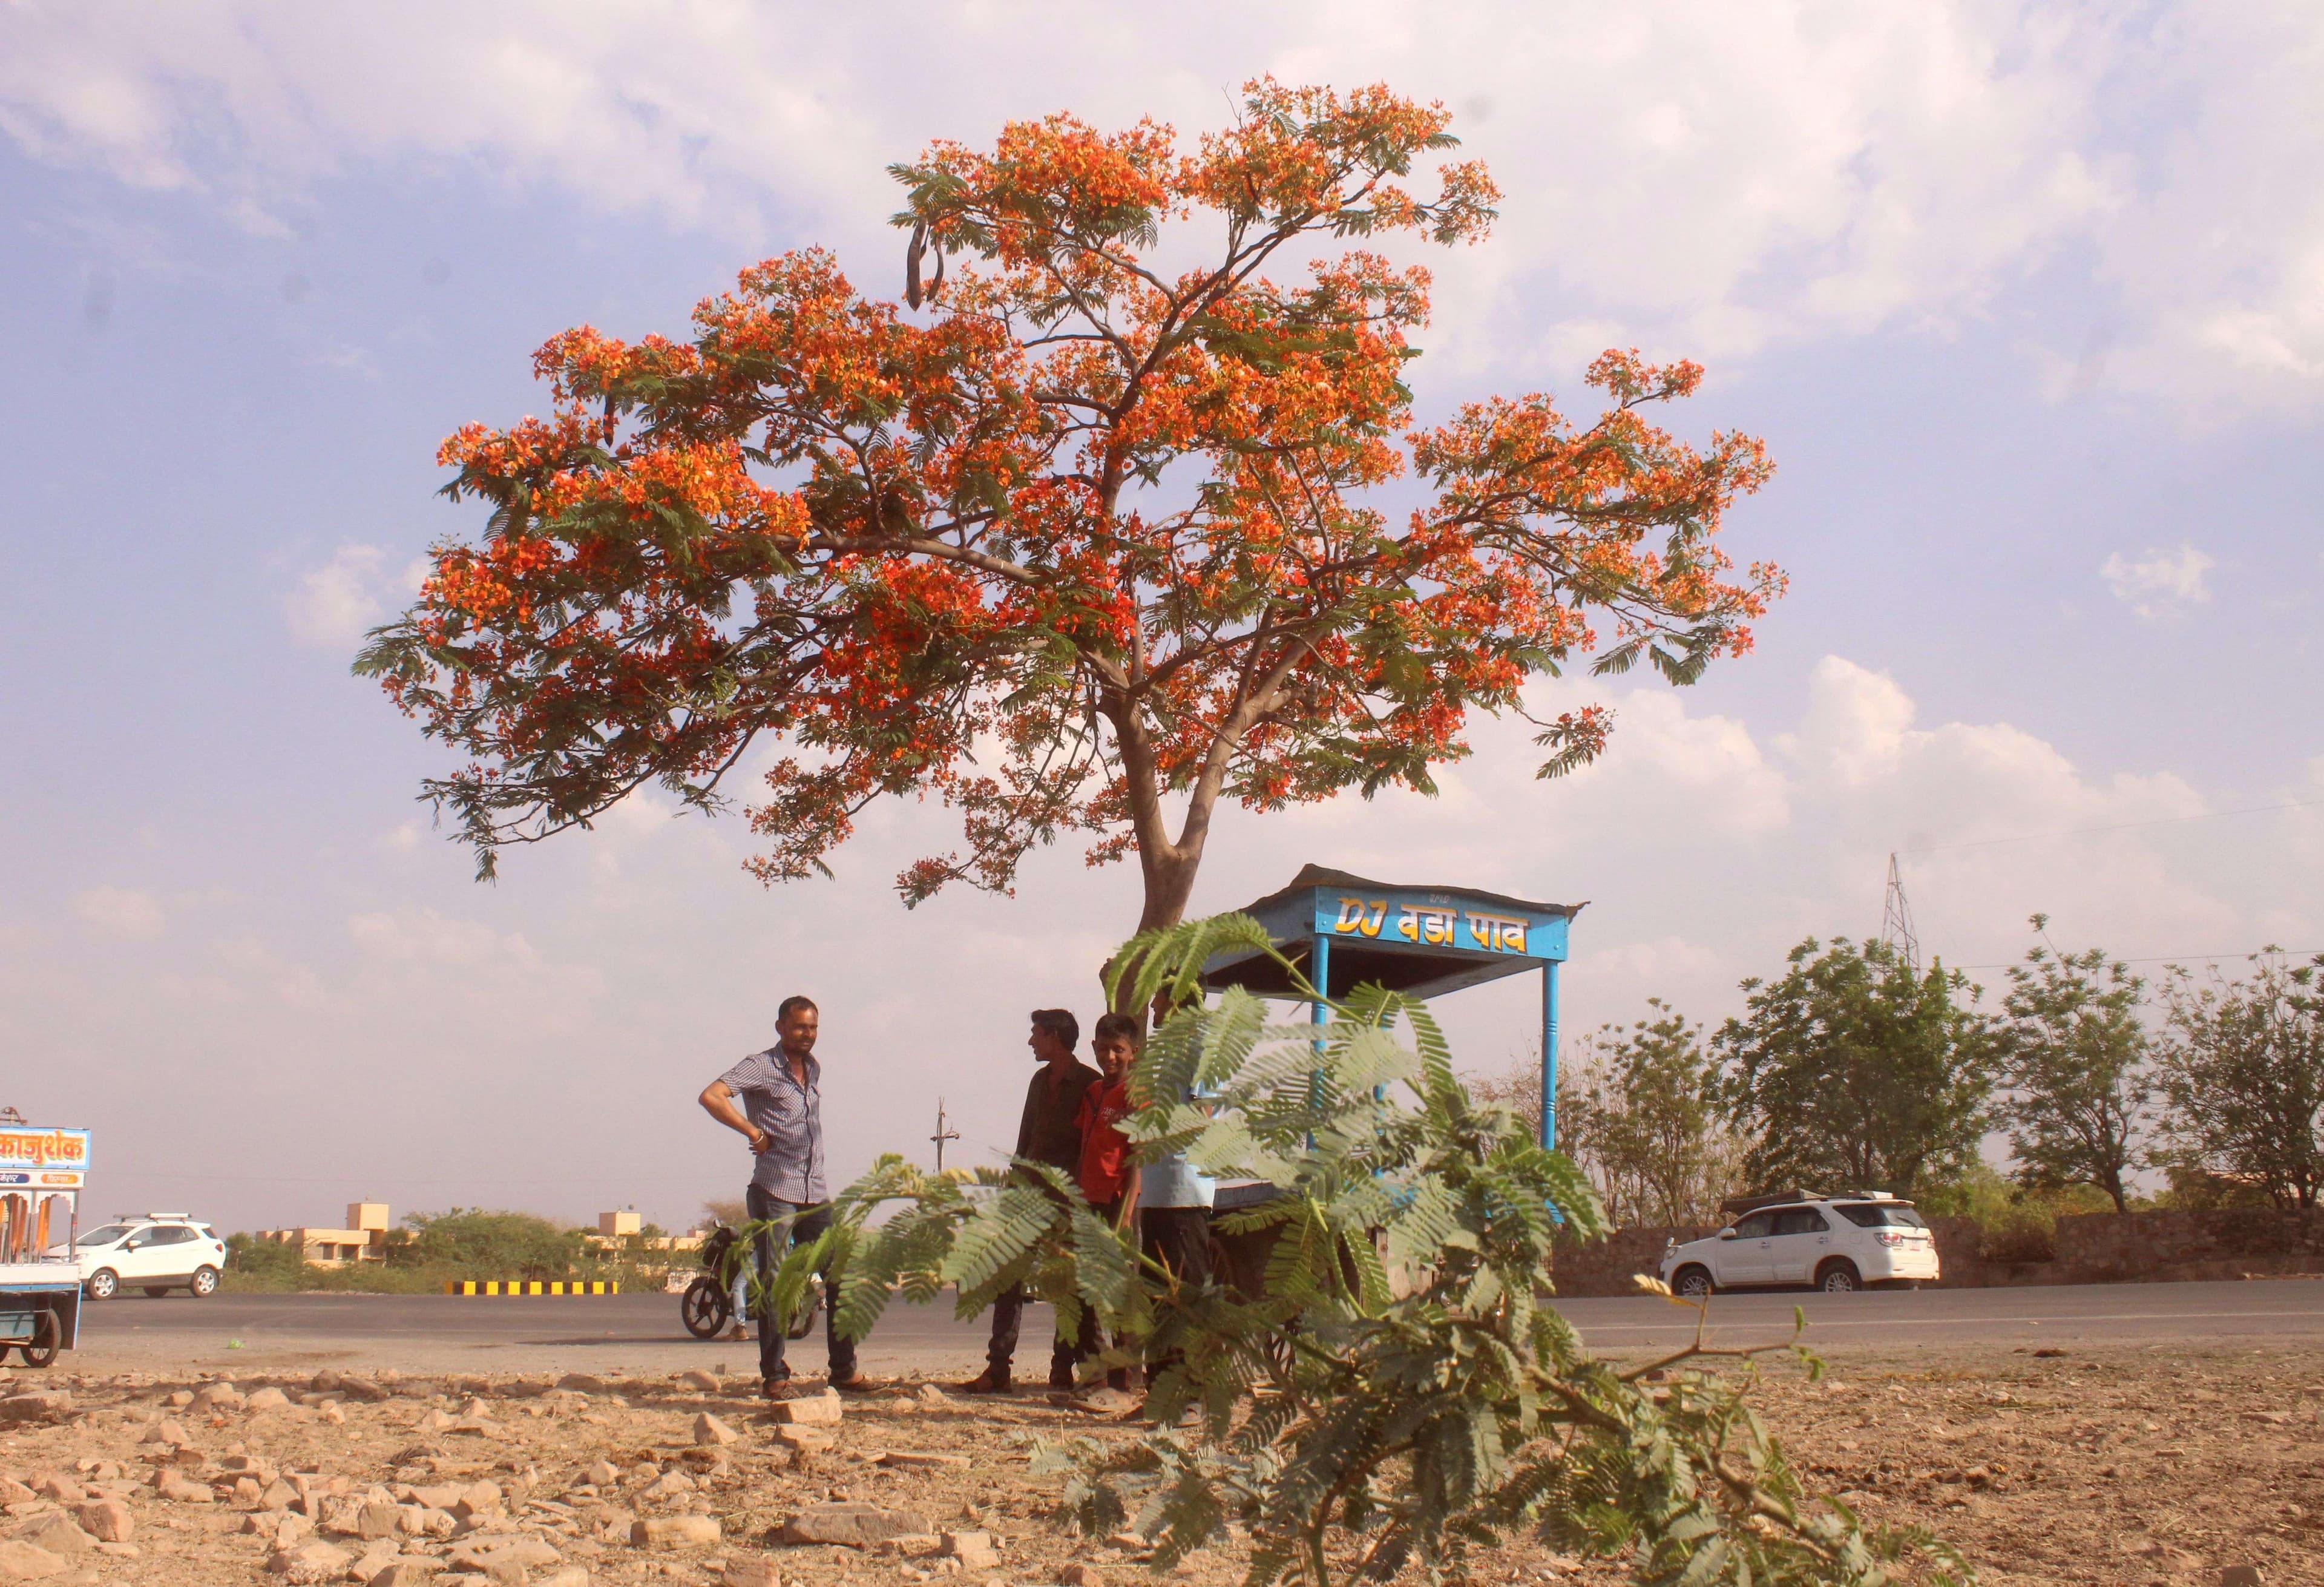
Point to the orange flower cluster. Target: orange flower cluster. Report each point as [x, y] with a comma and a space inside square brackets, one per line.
[1081, 541]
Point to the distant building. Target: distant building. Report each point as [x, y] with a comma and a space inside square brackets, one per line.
[364, 1239]
[613, 1225]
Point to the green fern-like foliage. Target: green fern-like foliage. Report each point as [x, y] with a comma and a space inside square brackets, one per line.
[1399, 1392]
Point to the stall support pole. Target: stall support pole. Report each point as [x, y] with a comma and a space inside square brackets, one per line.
[1549, 1053]
[1319, 959]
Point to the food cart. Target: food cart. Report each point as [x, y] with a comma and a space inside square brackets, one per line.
[42, 1171]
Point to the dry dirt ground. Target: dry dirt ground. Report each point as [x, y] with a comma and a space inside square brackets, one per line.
[2124, 1467]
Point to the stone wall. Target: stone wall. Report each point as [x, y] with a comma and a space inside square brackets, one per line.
[2103, 1248]
[2245, 1243]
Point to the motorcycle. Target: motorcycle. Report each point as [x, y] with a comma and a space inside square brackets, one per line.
[707, 1305]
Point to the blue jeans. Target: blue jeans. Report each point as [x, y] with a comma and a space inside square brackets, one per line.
[806, 1223]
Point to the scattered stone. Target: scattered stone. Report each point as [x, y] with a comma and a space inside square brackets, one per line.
[492, 1555]
[1081, 1575]
[807, 1440]
[699, 1378]
[851, 1524]
[929, 1394]
[973, 1550]
[376, 1519]
[178, 1491]
[52, 1405]
[582, 1383]
[604, 1474]
[407, 1571]
[568, 1576]
[22, 1561]
[180, 1397]
[108, 1520]
[755, 1569]
[269, 1398]
[675, 1532]
[167, 1431]
[58, 1534]
[2240, 1577]
[365, 1389]
[217, 1397]
[278, 1495]
[917, 1459]
[709, 1431]
[810, 1410]
[14, 1492]
[308, 1564]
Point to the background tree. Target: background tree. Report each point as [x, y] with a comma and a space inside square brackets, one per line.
[2072, 1058]
[1852, 1072]
[1647, 1124]
[1086, 546]
[2243, 1077]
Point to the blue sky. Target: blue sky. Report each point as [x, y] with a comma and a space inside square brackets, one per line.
[2027, 301]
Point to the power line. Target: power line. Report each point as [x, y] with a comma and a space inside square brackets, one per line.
[1983, 842]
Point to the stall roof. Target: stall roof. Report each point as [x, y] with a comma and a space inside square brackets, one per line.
[1423, 970]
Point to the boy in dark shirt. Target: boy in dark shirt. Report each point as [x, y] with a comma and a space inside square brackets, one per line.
[1049, 1132]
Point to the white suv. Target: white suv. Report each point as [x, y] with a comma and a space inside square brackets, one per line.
[1836, 1243]
[157, 1253]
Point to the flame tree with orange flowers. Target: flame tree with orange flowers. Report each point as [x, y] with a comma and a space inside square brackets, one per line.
[1076, 540]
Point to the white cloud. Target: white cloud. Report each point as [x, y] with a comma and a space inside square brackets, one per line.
[1700, 177]
[335, 604]
[2158, 583]
[120, 913]
[426, 936]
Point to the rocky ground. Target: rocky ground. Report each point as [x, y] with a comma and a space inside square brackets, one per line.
[2123, 1467]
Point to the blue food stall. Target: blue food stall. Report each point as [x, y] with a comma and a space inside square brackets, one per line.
[1344, 931]
[43, 1170]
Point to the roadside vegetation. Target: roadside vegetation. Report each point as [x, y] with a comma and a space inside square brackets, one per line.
[1854, 1070]
[460, 1243]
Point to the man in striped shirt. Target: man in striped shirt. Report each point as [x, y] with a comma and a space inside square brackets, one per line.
[781, 1113]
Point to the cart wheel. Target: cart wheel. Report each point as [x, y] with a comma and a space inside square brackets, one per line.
[703, 1307]
[42, 1349]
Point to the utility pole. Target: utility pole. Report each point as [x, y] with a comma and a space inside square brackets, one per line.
[942, 1134]
[1896, 920]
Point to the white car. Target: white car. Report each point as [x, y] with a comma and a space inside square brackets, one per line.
[1835, 1243]
[157, 1253]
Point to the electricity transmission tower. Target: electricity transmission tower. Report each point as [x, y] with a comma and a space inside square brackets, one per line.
[1896, 920]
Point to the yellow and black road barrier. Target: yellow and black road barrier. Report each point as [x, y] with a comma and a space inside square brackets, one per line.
[533, 1286]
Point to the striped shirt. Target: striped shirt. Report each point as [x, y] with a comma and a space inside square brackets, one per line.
[791, 1114]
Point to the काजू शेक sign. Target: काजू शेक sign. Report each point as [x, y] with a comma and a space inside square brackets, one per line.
[49, 1156]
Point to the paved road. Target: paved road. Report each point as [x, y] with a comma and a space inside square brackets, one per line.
[640, 1333]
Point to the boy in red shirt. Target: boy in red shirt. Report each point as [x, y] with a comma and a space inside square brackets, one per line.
[1109, 1170]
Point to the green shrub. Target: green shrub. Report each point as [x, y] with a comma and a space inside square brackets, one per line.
[471, 1242]
[256, 1266]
